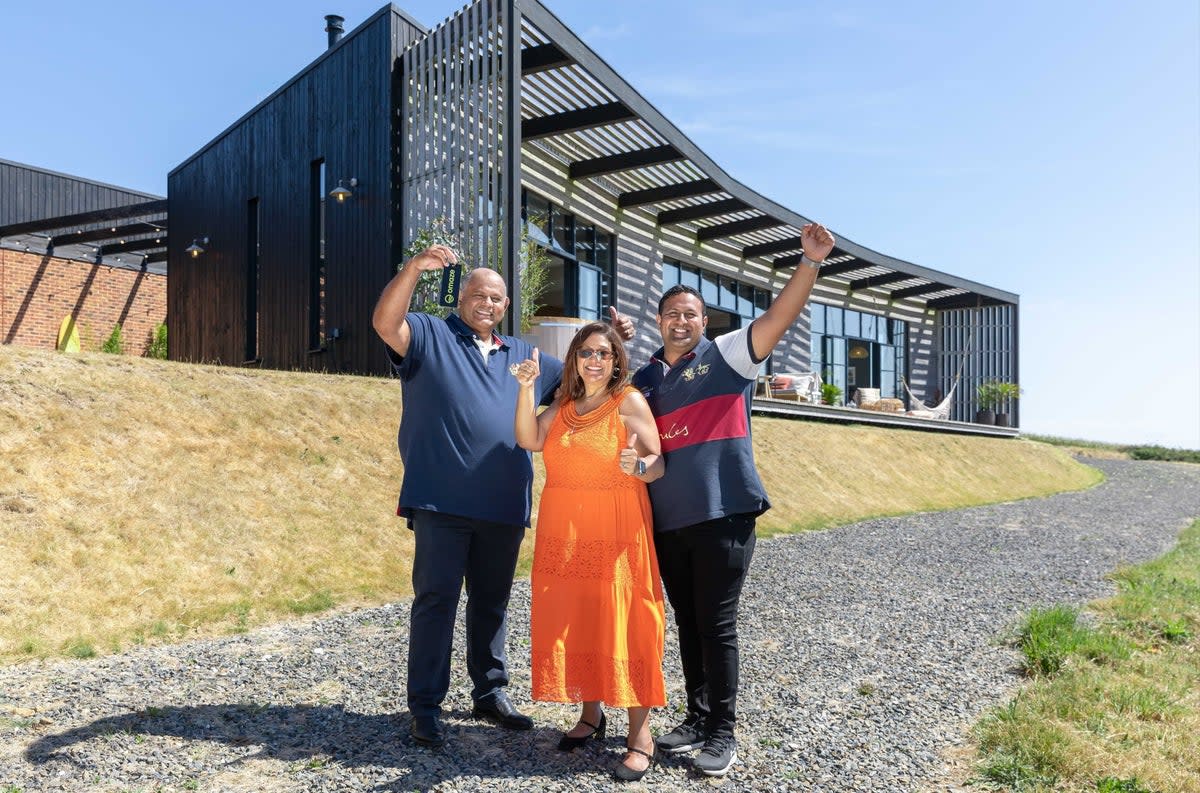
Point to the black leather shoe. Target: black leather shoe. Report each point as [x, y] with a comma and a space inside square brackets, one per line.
[499, 708]
[428, 730]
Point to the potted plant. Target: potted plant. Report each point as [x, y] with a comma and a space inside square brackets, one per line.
[993, 397]
[830, 393]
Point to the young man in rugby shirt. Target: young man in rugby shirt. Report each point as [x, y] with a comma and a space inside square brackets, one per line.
[707, 502]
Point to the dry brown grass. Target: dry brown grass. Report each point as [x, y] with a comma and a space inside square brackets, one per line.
[142, 500]
[824, 474]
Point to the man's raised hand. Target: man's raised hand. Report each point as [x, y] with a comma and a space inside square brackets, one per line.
[816, 241]
[622, 323]
[435, 257]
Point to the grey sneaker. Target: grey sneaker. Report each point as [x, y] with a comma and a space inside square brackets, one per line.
[717, 757]
[684, 738]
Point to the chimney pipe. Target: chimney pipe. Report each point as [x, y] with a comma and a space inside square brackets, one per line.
[333, 26]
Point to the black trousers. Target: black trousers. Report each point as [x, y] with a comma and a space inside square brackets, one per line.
[703, 568]
[451, 549]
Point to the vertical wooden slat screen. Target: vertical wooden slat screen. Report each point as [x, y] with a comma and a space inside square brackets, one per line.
[452, 129]
[986, 335]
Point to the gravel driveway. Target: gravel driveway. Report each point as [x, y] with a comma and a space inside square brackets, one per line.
[866, 652]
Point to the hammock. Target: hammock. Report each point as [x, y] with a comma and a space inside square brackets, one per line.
[941, 410]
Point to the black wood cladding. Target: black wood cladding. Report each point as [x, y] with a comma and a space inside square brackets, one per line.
[338, 110]
[28, 193]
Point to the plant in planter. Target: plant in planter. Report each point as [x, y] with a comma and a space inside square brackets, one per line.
[993, 398]
[830, 394]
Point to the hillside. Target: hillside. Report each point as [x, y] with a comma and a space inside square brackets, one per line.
[145, 500]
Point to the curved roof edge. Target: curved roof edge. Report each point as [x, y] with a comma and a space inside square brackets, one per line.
[578, 51]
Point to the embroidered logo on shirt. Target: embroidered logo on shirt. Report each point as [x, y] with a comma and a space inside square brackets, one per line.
[674, 432]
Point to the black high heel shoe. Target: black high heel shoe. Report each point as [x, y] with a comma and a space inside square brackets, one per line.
[627, 774]
[567, 742]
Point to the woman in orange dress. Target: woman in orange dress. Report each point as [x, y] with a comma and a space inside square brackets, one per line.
[597, 615]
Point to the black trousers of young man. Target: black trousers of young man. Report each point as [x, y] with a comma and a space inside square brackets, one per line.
[703, 568]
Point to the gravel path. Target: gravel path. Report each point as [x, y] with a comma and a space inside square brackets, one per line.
[867, 651]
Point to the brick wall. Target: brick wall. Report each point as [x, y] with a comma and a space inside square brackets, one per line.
[37, 291]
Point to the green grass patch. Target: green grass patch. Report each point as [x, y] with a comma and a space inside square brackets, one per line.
[1113, 785]
[1113, 706]
[80, 648]
[312, 604]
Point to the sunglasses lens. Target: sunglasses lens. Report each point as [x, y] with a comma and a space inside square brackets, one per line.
[603, 355]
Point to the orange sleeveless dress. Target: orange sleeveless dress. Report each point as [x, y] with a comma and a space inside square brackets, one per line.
[597, 614]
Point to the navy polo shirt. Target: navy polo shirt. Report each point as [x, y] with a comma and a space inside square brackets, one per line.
[456, 434]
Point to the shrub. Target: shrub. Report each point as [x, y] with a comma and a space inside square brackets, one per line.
[157, 348]
[113, 344]
[1163, 453]
[830, 394]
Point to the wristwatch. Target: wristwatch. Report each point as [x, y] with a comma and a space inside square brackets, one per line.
[639, 468]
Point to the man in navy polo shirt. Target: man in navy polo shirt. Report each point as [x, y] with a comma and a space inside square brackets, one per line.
[707, 502]
[467, 485]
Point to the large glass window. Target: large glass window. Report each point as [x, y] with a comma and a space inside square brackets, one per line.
[316, 264]
[589, 293]
[581, 259]
[537, 218]
[854, 349]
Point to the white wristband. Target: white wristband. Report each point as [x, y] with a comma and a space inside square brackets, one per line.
[807, 262]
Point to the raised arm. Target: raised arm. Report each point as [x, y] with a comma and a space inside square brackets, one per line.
[768, 329]
[643, 444]
[392, 308]
[530, 428]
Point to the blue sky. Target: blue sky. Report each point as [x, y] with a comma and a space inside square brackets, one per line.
[1048, 149]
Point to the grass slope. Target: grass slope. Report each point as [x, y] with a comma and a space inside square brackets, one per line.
[145, 500]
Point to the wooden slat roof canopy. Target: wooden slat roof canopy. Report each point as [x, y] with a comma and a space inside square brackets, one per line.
[578, 110]
[136, 233]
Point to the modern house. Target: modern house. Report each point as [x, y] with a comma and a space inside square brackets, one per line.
[503, 126]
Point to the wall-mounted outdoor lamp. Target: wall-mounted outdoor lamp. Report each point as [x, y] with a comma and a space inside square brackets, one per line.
[341, 192]
[197, 247]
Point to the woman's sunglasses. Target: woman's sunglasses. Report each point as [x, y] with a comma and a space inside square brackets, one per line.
[604, 355]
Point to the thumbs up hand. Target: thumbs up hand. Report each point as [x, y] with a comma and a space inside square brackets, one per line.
[528, 370]
[622, 323]
[629, 456]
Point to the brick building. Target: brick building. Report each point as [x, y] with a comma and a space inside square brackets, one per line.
[72, 247]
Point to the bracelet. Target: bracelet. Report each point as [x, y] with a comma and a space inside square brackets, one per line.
[807, 262]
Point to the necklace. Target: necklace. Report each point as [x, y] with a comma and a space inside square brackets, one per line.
[576, 421]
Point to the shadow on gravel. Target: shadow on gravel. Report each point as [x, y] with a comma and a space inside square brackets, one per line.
[324, 736]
